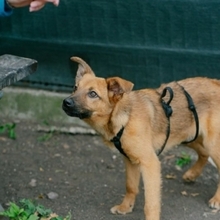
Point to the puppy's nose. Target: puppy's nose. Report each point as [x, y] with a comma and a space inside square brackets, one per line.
[68, 102]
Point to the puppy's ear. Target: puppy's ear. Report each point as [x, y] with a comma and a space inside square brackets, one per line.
[83, 68]
[117, 87]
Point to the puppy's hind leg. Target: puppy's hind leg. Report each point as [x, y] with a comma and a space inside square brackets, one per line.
[132, 185]
[191, 174]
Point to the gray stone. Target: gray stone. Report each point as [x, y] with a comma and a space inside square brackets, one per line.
[14, 68]
[52, 195]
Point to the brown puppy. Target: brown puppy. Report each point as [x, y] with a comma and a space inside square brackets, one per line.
[109, 105]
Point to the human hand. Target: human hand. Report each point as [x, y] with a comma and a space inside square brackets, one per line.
[38, 4]
[34, 5]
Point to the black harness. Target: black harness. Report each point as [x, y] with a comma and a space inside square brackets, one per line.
[168, 112]
[192, 108]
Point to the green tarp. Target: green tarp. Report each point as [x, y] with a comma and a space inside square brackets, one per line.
[146, 41]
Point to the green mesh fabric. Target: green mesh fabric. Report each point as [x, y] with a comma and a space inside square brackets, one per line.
[147, 42]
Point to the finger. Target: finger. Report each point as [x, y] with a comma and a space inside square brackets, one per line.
[56, 2]
[36, 5]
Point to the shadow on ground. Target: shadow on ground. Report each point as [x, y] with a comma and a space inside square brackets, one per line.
[89, 178]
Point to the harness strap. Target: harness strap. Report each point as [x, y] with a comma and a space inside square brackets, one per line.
[117, 142]
[168, 112]
[192, 108]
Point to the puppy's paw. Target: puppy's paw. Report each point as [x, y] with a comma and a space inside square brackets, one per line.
[214, 202]
[190, 176]
[121, 209]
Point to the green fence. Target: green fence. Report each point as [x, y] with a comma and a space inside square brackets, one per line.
[146, 41]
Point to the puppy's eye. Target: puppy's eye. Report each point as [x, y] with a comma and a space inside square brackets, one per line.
[92, 94]
[75, 88]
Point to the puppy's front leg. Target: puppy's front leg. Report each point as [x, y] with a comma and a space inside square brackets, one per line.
[151, 172]
[132, 184]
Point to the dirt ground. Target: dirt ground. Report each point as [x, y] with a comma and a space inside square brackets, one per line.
[89, 178]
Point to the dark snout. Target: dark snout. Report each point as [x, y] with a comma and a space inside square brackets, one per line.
[75, 109]
[68, 103]
[69, 106]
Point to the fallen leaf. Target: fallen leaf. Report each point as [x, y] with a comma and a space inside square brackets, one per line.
[169, 157]
[33, 183]
[194, 194]
[41, 196]
[184, 193]
[170, 176]
[59, 171]
[66, 146]
[52, 215]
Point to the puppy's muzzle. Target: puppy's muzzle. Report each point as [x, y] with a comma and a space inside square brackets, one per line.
[68, 103]
[69, 106]
[75, 110]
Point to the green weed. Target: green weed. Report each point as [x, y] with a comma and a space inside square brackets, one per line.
[27, 210]
[9, 128]
[183, 160]
[48, 135]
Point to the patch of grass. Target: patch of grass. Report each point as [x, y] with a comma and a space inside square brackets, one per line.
[48, 135]
[28, 210]
[183, 160]
[9, 128]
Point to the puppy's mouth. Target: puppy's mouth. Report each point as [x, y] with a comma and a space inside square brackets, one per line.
[70, 112]
[73, 111]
